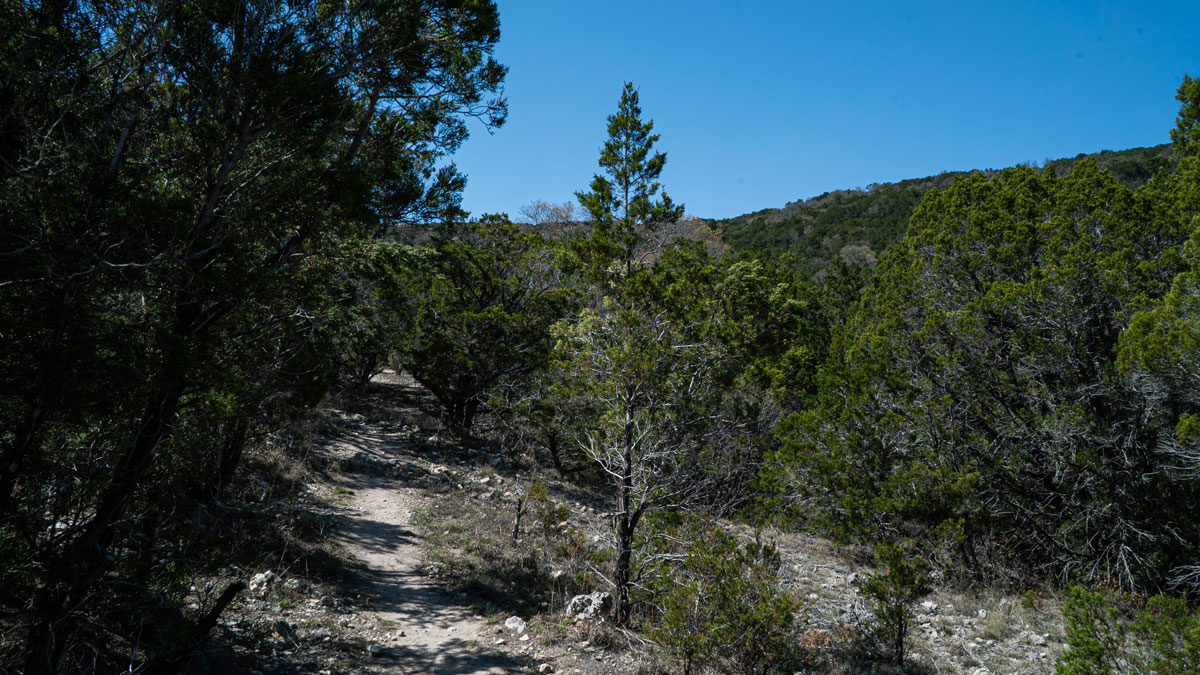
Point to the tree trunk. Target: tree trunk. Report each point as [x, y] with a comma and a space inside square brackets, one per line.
[624, 526]
[364, 371]
[50, 369]
[69, 575]
[555, 454]
[460, 414]
[10, 463]
[229, 456]
[621, 574]
[174, 664]
[522, 503]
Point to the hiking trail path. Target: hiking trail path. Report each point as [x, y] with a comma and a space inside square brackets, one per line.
[432, 630]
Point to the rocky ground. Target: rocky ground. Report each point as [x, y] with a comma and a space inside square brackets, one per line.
[419, 528]
[955, 631]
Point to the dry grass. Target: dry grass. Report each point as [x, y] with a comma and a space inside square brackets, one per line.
[468, 540]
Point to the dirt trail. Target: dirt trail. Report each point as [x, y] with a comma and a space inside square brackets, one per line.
[432, 631]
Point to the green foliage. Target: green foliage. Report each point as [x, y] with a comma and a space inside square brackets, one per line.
[483, 316]
[1166, 335]
[1186, 134]
[814, 232]
[895, 591]
[1162, 637]
[779, 326]
[1132, 168]
[646, 405]
[723, 605]
[182, 187]
[380, 287]
[1167, 636]
[623, 207]
[546, 513]
[856, 226]
[976, 384]
[638, 368]
[1093, 637]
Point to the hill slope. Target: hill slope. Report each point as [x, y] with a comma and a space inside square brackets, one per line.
[858, 224]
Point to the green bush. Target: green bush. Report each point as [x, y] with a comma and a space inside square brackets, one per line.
[723, 605]
[894, 591]
[1167, 636]
[1163, 637]
[1092, 634]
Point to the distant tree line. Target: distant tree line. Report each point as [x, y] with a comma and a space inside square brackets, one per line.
[838, 225]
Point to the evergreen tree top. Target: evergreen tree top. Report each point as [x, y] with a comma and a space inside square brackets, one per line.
[622, 204]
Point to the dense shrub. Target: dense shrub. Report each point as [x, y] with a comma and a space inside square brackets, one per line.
[723, 605]
[1104, 636]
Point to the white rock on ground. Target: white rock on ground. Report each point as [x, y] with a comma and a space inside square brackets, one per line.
[262, 581]
[591, 606]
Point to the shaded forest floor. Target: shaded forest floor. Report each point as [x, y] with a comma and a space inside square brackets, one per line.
[420, 571]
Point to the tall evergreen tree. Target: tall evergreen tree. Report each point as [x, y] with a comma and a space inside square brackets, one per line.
[623, 207]
[1186, 134]
[630, 364]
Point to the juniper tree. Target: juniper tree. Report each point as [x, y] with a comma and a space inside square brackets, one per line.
[1019, 377]
[482, 321]
[974, 390]
[623, 207]
[638, 376]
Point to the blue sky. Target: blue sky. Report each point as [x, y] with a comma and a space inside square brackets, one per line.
[762, 103]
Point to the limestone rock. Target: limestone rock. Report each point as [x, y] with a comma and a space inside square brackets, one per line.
[591, 606]
[1033, 638]
[296, 584]
[262, 581]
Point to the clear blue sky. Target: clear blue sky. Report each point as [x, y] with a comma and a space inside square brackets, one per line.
[762, 103]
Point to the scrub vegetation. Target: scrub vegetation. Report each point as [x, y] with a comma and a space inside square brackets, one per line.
[217, 215]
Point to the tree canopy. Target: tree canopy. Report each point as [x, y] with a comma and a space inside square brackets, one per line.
[178, 183]
[624, 207]
[1009, 385]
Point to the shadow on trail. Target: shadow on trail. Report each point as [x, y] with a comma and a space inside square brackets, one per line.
[376, 536]
[457, 657]
[392, 398]
[440, 629]
[380, 444]
[386, 452]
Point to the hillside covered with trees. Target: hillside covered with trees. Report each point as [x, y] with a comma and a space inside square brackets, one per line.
[856, 225]
[218, 218]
